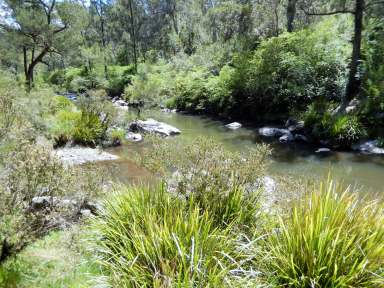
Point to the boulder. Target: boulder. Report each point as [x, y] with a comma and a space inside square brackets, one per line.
[86, 213]
[352, 106]
[284, 135]
[133, 137]
[369, 147]
[93, 206]
[153, 126]
[301, 138]
[233, 125]
[273, 132]
[286, 138]
[42, 202]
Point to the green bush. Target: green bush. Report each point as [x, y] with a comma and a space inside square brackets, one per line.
[150, 239]
[224, 183]
[30, 171]
[116, 136]
[341, 130]
[330, 239]
[62, 103]
[88, 129]
[97, 115]
[57, 77]
[347, 130]
[153, 83]
[63, 128]
[288, 72]
[118, 78]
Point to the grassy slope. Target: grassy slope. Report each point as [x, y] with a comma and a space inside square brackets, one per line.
[58, 260]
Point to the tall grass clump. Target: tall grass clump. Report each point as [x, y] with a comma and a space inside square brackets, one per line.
[150, 238]
[330, 239]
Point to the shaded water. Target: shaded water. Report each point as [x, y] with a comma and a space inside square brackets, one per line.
[296, 160]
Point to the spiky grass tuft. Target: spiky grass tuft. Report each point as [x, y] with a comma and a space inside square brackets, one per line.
[330, 239]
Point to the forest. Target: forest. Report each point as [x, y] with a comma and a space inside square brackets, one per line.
[191, 143]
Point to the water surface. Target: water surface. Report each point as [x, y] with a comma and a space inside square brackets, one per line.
[295, 160]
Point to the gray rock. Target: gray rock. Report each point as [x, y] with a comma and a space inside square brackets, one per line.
[323, 151]
[369, 147]
[85, 213]
[133, 137]
[93, 206]
[42, 202]
[153, 126]
[286, 138]
[233, 125]
[120, 104]
[297, 128]
[80, 155]
[301, 138]
[352, 106]
[166, 110]
[273, 132]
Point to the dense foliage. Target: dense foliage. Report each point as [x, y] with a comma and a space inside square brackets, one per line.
[71, 69]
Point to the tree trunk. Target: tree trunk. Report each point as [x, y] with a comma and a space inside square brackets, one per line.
[133, 34]
[103, 41]
[29, 69]
[27, 80]
[354, 79]
[291, 13]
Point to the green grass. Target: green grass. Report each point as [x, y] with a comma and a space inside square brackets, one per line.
[330, 239]
[149, 238]
[59, 260]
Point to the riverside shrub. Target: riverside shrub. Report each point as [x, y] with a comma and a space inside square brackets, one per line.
[222, 182]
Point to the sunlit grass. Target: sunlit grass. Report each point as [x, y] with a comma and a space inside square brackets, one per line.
[149, 238]
[330, 239]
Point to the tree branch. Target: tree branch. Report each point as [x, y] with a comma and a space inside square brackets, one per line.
[60, 29]
[328, 13]
[373, 3]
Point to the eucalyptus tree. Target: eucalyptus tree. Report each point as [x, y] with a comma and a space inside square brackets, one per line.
[359, 9]
[37, 28]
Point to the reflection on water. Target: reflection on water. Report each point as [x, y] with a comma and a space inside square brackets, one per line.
[297, 160]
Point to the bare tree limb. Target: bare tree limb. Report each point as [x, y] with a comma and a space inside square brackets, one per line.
[328, 13]
[60, 29]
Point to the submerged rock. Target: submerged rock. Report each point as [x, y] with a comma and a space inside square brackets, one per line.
[153, 126]
[323, 151]
[273, 132]
[80, 155]
[133, 137]
[234, 125]
[369, 147]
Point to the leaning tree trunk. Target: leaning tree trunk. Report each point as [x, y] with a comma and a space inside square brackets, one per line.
[291, 13]
[354, 79]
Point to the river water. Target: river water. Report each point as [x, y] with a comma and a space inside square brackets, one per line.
[294, 160]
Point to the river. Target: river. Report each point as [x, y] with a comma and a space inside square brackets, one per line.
[295, 160]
